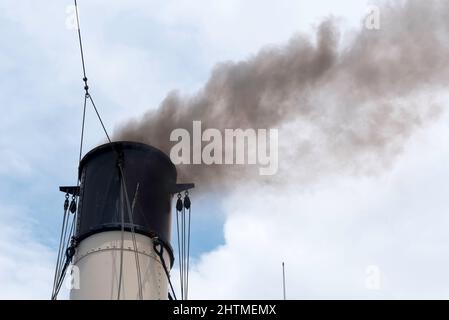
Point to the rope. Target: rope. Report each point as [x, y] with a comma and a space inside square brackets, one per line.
[183, 209]
[183, 251]
[99, 118]
[64, 245]
[188, 257]
[160, 253]
[186, 216]
[61, 279]
[121, 246]
[61, 265]
[86, 86]
[179, 246]
[80, 41]
[136, 252]
[58, 260]
[82, 131]
[133, 233]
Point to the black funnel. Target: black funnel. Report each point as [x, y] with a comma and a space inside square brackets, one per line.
[150, 182]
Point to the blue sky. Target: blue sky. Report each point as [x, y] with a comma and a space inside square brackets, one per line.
[137, 52]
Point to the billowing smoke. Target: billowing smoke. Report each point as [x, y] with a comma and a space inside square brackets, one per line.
[345, 104]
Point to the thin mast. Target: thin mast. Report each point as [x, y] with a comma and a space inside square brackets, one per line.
[283, 280]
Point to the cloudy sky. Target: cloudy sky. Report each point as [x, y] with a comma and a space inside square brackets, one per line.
[375, 236]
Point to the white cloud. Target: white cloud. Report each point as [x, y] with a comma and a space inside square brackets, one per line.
[331, 233]
[26, 265]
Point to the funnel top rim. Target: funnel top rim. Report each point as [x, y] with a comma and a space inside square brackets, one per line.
[123, 145]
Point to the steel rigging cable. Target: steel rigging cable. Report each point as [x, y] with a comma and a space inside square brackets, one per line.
[67, 243]
[183, 208]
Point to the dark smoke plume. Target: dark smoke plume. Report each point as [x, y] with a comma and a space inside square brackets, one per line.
[360, 100]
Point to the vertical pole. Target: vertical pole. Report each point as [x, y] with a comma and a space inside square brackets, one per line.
[283, 279]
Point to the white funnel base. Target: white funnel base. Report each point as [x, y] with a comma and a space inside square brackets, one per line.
[96, 270]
